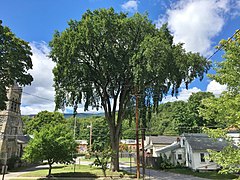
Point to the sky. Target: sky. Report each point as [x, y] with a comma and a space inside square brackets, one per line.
[199, 24]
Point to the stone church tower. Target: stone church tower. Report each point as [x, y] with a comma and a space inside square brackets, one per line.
[11, 124]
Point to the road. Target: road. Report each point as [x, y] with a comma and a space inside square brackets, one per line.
[158, 174]
[161, 175]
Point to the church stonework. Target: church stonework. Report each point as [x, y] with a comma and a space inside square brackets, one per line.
[11, 125]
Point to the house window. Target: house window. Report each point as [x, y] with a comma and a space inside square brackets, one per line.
[183, 142]
[179, 156]
[202, 158]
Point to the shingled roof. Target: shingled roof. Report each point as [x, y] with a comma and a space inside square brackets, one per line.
[201, 141]
[163, 139]
[23, 139]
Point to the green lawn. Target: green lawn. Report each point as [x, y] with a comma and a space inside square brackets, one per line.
[120, 159]
[125, 159]
[68, 171]
[207, 174]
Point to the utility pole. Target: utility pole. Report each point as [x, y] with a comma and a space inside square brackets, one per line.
[74, 130]
[137, 139]
[90, 141]
[143, 152]
[74, 115]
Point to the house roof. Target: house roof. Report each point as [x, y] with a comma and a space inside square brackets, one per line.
[169, 148]
[81, 142]
[23, 139]
[128, 141]
[200, 141]
[149, 146]
[162, 139]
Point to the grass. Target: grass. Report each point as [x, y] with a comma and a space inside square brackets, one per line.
[207, 174]
[68, 171]
[126, 159]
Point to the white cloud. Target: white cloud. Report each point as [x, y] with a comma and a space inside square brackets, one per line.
[130, 6]
[40, 95]
[42, 85]
[235, 11]
[216, 88]
[184, 94]
[196, 22]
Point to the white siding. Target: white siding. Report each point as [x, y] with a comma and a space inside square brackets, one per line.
[207, 165]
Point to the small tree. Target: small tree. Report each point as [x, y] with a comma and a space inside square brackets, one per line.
[52, 143]
[102, 159]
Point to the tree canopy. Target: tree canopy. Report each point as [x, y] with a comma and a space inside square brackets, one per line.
[175, 118]
[54, 144]
[106, 57]
[15, 61]
[226, 109]
[42, 119]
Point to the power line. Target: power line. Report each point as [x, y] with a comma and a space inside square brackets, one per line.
[222, 45]
[38, 96]
[220, 48]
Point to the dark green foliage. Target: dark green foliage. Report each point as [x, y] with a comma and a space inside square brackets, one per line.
[107, 57]
[15, 61]
[163, 162]
[195, 103]
[175, 118]
[12, 161]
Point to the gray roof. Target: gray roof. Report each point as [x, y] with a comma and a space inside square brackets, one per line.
[171, 147]
[163, 139]
[201, 141]
[23, 139]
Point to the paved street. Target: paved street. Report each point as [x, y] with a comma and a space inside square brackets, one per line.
[160, 175]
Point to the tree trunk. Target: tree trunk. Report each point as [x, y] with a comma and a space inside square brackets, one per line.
[49, 170]
[115, 148]
[104, 171]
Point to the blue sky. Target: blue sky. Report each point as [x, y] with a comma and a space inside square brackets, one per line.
[200, 24]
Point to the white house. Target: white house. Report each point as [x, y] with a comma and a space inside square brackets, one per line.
[154, 143]
[235, 136]
[174, 152]
[191, 151]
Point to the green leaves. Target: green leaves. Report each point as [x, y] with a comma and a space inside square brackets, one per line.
[105, 57]
[54, 143]
[228, 71]
[15, 61]
[43, 119]
[226, 108]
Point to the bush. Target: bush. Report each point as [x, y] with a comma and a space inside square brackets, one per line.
[13, 162]
[163, 162]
